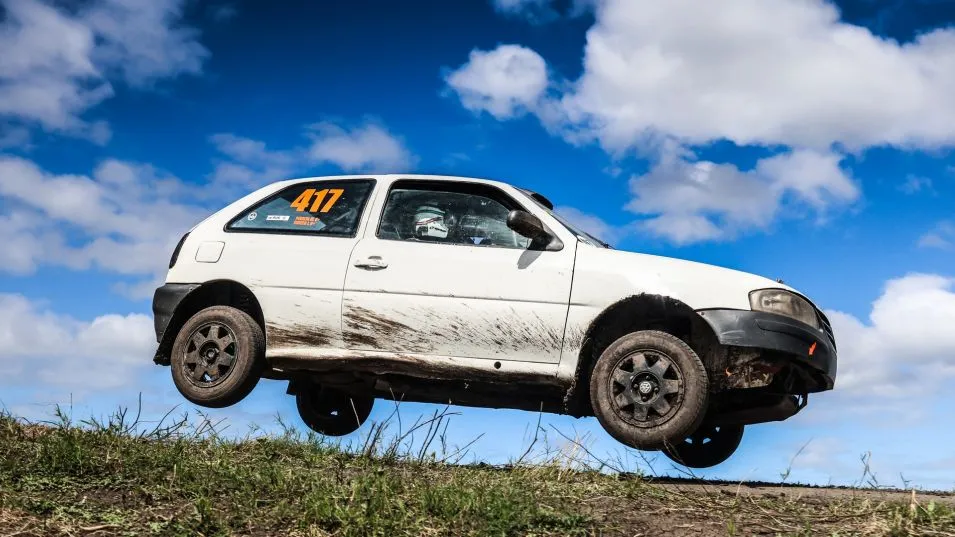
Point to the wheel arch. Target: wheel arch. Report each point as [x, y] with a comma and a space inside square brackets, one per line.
[644, 311]
[211, 293]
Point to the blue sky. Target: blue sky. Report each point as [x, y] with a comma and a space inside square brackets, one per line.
[801, 140]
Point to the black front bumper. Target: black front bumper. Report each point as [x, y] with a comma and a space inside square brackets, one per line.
[165, 301]
[811, 348]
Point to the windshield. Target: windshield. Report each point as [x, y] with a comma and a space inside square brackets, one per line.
[582, 235]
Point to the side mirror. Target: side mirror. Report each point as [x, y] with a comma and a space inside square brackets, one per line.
[527, 225]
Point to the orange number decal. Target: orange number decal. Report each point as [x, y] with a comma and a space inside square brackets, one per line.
[336, 193]
[301, 202]
[319, 196]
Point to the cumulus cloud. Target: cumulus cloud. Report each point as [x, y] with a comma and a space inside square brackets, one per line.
[503, 82]
[906, 347]
[124, 218]
[786, 72]
[365, 147]
[787, 75]
[59, 63]
[690, 201]
[40, 345]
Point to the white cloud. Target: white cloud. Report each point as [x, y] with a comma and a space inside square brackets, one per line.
[144, 39]
[787, 75]
[592, 224]
[124, 218]
[365, 147]
[59, 63]
[689, 201]
[503, 82]
[251, 163]
[786, 72]
[906, 348]
[42, 346]
[756, 73]
[942, 237]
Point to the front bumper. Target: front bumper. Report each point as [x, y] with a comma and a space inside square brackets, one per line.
[811, 348]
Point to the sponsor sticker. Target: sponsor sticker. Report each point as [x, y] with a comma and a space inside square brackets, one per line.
[277, 218]
[253, 215]
[305, 221]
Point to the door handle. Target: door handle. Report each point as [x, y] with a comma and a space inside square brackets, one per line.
[371, 263]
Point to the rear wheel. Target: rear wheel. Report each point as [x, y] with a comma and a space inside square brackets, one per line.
[648, 388]
[330, 412]
[707, 446]
[218, 356]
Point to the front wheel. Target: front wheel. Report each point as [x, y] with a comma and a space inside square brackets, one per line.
[707, 446]
[331, 412]
[649, 388]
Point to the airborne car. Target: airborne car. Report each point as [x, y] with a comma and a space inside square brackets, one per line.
[475, 292]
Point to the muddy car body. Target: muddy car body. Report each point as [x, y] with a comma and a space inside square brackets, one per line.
[474, 292]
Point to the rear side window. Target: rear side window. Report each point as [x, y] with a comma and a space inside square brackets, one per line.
[331, 208]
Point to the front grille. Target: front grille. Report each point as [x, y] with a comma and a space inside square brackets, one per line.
[826, 327]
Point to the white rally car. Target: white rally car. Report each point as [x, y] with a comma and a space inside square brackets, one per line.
[474, 292]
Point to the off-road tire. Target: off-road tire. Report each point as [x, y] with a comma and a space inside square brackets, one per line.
[706, 447]
[331, 412]
[686, 409]
[246, 368]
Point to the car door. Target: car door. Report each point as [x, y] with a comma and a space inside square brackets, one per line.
[438, 272]
[292, 249]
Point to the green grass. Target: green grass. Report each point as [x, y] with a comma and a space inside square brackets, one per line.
[116, 478]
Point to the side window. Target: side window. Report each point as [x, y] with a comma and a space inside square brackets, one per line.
[330, 208]
[448, 217]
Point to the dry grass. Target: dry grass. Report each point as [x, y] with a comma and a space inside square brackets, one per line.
[181, 478]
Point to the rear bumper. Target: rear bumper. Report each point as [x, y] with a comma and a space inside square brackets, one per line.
[812, 349]
[165, 301]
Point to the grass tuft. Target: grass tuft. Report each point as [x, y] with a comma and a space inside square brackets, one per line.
[119, 476]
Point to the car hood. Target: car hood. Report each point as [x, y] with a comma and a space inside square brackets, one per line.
[602, 274]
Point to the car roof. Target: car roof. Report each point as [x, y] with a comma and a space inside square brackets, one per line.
[396, 176]
[432, 177]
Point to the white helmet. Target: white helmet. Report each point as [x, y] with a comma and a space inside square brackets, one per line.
[429, 222]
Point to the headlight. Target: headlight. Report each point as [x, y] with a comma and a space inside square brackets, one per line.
[784, 303]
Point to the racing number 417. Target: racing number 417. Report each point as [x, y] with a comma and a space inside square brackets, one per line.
[302, 201]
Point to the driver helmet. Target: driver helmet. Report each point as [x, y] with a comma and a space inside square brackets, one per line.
[429, 223]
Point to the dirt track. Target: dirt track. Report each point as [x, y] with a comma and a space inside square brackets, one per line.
[799, 491]
[722, 508]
